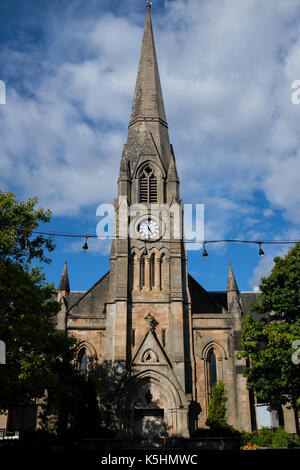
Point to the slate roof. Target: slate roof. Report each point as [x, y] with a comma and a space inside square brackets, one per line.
[75, 296]
[220, 297]
[83, 303]
[91, 302]
[247, 298]
[202, 301]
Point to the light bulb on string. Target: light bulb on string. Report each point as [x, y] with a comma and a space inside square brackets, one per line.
[85, 246]
[204, 253]
[260, 252]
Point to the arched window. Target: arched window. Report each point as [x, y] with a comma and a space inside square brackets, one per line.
[142, 271]
[163, 337]
[82, 362]
[212, 370]
[152, 270]
[148, 185]
[162, 263]
[132, 278]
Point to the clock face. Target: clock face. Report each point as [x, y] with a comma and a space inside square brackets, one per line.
[148, 229]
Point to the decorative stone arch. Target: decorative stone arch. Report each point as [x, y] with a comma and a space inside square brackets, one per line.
[164, 274]
[150, 356]
[85, 347]
[153, 257]
[209, 349]
[146, 163]
[150, 392]
[135, 251]
[91, 351]
[213, 344]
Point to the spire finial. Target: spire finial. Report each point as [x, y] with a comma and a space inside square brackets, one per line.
[148, 5]
[231, 283]
[64, 284]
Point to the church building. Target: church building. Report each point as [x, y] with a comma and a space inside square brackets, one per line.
[163, 337]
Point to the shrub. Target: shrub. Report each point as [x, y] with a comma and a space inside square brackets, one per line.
[281, 438]
[297, 442]
[216, 416]
[267, 437]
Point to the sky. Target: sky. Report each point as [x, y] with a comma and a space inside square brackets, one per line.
[227, 68]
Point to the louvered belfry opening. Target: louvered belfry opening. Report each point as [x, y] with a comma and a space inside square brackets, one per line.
[148, 185]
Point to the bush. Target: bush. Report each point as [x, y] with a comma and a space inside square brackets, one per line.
[216, 416]
[297, 442]
[267, 437]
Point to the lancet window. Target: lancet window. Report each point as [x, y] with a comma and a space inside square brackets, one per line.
[148, 185]
[212, 370]
[152, 270]
[83, 362]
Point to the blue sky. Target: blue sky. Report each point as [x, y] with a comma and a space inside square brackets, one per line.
[226, 69]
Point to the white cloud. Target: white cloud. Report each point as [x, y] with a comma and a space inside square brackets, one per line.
[96, 246]
[266, 263]
[226, 72]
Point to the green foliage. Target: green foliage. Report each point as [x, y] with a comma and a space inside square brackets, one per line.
[216, 416]
[36, 353]
[18, 221]
[269, 331]
[267, 437]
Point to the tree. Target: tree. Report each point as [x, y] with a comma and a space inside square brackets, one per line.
[35, 351]
[269, 331]
[216, 416]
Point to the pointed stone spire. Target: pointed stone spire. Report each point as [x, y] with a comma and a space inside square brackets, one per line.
[63, 297]
[64, 285]
[234, 303]
[148, 135]
[172, 171]
[231, 283]
[148, 100]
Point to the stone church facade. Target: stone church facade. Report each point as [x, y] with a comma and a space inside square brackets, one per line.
[169, 339]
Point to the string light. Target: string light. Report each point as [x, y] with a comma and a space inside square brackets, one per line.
[260, 252]
[53, 234]
[85, 246]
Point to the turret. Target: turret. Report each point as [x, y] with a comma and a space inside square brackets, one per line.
[172, 180]
[63, 297]
[124, 180]
[233, 299]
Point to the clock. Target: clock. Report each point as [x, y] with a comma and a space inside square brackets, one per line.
[148, 229]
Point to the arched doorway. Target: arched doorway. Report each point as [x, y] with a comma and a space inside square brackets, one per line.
[152, 409]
